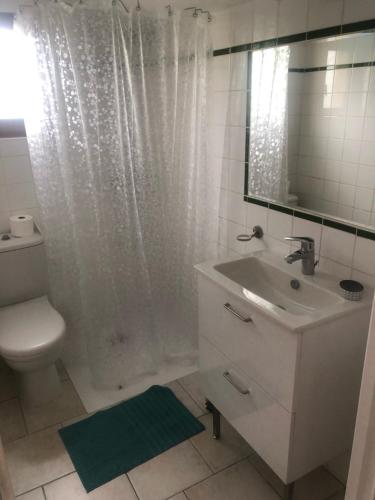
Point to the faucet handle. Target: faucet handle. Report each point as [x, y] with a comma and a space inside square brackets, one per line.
[307, 242]
[299, 238]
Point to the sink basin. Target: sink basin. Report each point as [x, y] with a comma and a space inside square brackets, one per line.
[281, 291]
[274, 285]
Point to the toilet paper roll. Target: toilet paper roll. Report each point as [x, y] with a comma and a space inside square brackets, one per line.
[21, 225]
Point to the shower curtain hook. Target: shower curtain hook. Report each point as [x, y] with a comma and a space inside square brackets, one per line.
[209, 15]
[195, 10]
[138, 6]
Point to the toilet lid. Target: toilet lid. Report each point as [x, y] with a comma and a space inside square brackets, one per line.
[29, 328]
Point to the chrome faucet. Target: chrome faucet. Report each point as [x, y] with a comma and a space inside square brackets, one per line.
[306, 254]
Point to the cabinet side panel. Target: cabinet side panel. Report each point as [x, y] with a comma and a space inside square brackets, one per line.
[327, 391]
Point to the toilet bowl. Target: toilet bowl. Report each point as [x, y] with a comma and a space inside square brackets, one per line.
[31, 339]
[31, 330]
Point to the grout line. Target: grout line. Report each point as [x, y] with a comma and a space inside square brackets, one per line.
[132, 485]
[49, 426]
[190, 395]
[215, 474]
[41, 486]
[342, 13]
[331, 497]
[334, 476]
[8, 399]
[56, 479]
[182, 492]
[23, 417]
[202, 457]
[74, 387]
[308, 9]
[29, 491]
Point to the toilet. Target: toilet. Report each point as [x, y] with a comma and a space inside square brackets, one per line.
[31, 330]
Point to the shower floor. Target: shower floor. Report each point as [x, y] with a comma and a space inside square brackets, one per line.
[96, 399]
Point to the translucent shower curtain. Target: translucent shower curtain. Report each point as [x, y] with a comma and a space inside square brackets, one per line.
[268, 169]
[117, 144]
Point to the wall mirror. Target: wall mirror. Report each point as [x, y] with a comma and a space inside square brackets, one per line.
[311, 126]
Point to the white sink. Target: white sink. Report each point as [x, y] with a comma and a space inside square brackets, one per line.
[264, 279]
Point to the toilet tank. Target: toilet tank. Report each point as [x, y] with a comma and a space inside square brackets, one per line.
[23, 269]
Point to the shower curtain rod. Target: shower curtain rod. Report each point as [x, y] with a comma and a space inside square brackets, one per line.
[72, 4]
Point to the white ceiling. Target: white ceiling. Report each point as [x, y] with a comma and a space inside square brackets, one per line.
[212, 5]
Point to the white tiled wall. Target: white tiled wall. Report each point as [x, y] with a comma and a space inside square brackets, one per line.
[339, 252]
[17, 192]
[261, 19]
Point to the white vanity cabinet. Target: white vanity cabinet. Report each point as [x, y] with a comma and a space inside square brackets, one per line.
[291, 394]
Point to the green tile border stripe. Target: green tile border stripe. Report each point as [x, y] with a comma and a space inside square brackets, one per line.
[309, 217]
[366, 234]
[325, 221]
[332, 67]
[281, 208]
[340, 226]
[299, 37]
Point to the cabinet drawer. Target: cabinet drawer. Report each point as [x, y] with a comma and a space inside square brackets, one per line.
[258, 418]
[261, 348]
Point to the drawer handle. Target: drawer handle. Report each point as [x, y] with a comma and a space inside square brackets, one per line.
[229, 308]
[229, 377]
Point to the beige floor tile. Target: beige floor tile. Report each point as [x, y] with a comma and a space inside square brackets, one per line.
[61, 370]
[12, 425]
[169, 473]
[66, 406]
[185, 399]
[33, 495]
[192, 384]
[179, 496]
[239, 482]
[220, 453]
[74, 420]
[339, 496]
[8, 385]
[318, 485]
[70, 487]
[267, 473]
[37, 459]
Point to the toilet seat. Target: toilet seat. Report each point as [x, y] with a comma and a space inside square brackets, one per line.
[29, 329]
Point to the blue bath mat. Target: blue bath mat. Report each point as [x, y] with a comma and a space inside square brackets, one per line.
[116, 440]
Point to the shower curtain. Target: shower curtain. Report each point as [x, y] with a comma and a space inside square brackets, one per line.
[268, 168]
[117, 142]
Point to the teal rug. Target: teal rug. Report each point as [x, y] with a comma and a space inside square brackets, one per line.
[116, 440]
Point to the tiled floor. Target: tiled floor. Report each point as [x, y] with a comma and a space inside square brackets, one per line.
[198, 469]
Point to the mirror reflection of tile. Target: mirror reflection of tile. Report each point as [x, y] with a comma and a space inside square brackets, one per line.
[331, 126]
